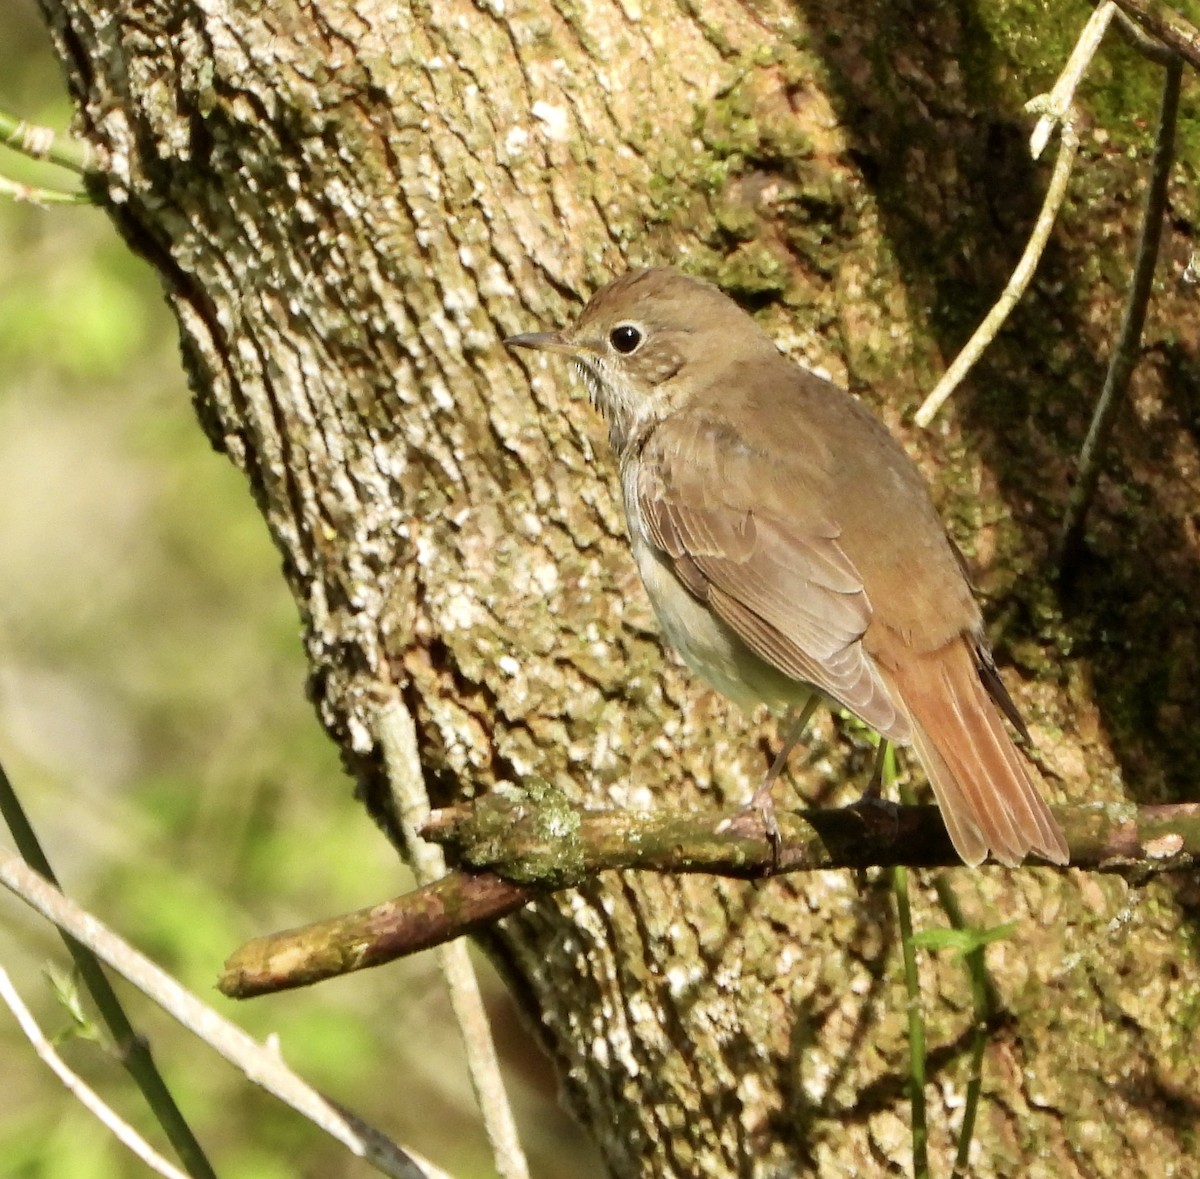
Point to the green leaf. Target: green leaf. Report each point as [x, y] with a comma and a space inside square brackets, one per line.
[65, 987]
[963, 941]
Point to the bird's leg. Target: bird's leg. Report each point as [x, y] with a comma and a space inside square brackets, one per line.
[874, 790]
[872, 805]
[761, 801]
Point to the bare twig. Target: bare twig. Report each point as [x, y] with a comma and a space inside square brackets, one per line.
[548, 845]
[257, 1062]
[986, 332]
[1166, 25]
[456, 905]
[1054, 108]
[43, 143]
[33, 194]
[398, 740]
[1128, 345]
[1146, 45]
[80, 1090]
[132, 1049]
[1058, 103]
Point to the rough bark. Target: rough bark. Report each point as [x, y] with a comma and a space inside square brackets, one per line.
[350, 204]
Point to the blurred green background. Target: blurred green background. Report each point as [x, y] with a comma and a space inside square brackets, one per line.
[153, 719]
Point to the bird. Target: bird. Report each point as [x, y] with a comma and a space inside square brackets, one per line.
[791, 550]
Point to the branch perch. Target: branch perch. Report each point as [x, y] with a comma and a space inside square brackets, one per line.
[524, 846]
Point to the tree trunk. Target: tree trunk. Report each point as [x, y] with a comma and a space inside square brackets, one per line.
[350, 205]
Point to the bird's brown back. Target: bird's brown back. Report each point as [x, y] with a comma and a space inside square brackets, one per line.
[833, 461]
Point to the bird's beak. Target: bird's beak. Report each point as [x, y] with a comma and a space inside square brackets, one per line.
[544, 342]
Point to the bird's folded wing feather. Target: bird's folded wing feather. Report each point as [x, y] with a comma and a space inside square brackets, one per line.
[742, 536]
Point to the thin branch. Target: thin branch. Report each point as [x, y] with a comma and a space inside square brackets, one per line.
[521, 849]
[258, 1063]
[402, 761]
[33, 194]
[1128, 345]
[132, 1049]
[43, 143]
[1068, 147]
[1146, 45]
[80, 1090]
[1166, 25]
[458, 904]
[1056, 106]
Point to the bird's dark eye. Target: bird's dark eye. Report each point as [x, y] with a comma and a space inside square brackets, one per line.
[625, 338]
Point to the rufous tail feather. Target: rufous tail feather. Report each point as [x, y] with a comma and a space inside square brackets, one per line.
[979, 777]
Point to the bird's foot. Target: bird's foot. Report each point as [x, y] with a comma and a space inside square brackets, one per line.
[875, 809]
[761, 810]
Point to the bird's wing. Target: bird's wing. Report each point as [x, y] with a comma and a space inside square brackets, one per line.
[744, 536]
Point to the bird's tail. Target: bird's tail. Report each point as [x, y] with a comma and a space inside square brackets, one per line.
[987, 798]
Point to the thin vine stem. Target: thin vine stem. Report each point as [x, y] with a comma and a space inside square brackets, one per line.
[916, 1027]
[132, 1049]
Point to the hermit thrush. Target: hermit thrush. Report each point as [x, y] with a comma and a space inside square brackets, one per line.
[789, 546]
